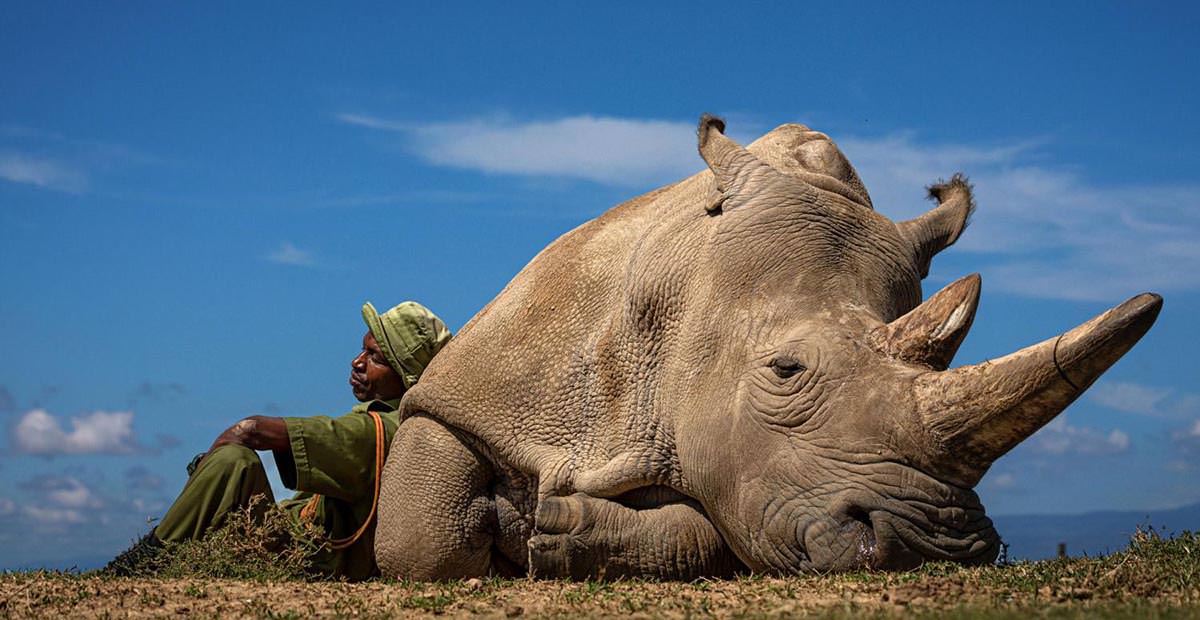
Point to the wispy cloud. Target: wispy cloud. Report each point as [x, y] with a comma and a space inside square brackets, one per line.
[59, 500]
[53, 161]
[1188, 439]
[371, 122]
[1046, 229]
[1002, 481]
[613, 151]
[100, 432]
[158, 392]
[1059, 437]
[164, 441]
[289, 254]
[57, 503]
[53, 512]
[1050, 232]
[1144, 399]
[50, 519]
[41, 172]
[62, 491]
[413, 198]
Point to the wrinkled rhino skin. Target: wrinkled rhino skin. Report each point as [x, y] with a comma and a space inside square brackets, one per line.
[732, 372]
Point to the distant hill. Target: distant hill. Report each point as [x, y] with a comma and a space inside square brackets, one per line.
[1036, 537]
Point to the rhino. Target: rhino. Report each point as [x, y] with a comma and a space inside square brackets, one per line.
[732, 373]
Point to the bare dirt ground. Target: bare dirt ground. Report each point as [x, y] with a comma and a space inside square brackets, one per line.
[1153, 578]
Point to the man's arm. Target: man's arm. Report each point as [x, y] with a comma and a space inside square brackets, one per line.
[257, 432]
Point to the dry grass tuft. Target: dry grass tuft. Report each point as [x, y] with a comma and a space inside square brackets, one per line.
[260, 542]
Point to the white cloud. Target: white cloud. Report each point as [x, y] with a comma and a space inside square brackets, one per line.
[7, 507]
[1059, 437]
[1053, 234]
[1185, 442]
[1179, 466]
[67, 492]
[147, 506]
[289, 254]
[39, 432]
[1185, 405]
[1188, 436]
[1128, 397]
[615, 151]
[1003, 481]
[370, 122]
[41, 172]
[1050, 232]
[44, 516]
[1144, 399]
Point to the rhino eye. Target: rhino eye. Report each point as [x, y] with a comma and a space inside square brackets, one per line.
[785, 367]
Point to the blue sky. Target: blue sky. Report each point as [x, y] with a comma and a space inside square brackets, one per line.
[195, 200]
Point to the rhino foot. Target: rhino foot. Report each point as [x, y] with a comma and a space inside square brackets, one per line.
[585, 537]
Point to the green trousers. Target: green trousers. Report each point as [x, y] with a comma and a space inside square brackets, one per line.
[228, 478]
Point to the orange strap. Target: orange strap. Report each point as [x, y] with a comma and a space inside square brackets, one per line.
[309, 510]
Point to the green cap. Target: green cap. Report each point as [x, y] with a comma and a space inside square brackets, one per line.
[409, 335]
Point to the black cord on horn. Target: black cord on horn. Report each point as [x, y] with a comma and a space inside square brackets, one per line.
[1062, 373]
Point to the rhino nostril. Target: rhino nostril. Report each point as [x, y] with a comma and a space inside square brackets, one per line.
[860, 532]
[856, 515]
[859, 515]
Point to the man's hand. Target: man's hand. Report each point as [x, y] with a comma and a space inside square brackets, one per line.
[257, 432]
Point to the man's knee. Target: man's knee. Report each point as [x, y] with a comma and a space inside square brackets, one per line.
[226, 480]
[233, 458]
[235, 468]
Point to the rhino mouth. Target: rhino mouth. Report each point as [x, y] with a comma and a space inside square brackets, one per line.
[900, 534]
[890, 517]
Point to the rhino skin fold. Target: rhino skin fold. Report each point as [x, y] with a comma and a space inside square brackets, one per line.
[734, 372]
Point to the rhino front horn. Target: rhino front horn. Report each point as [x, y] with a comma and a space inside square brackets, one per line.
[977, 413]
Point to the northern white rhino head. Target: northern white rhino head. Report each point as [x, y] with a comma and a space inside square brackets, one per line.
[818, 423]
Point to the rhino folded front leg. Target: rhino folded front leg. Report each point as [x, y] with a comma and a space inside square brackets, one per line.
[585, 537]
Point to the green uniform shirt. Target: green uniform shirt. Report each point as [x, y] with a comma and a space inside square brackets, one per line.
[335, 457]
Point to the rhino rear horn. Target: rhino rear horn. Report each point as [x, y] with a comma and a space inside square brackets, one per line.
[732, 165]
[940, 227]
[977, 413]
[931, 333]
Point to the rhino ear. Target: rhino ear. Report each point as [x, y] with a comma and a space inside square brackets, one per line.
[939, 228]
[931, 333]
[732, 165]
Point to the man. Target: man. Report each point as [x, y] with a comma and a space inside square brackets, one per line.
[333, 462]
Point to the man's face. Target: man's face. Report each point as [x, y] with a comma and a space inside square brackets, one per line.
[371, 377]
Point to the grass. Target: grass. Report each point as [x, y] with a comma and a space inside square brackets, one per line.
[1154, 577]
[259, 542]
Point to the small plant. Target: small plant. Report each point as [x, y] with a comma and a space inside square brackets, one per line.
[436, 603]
[195, 591]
